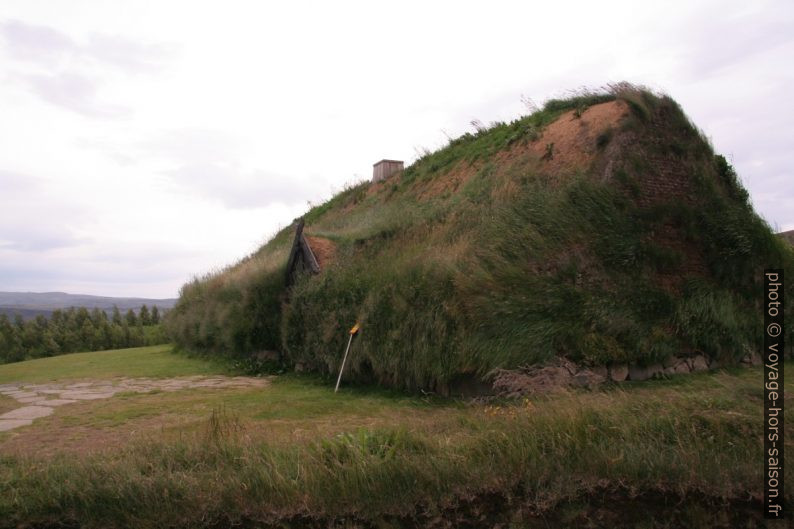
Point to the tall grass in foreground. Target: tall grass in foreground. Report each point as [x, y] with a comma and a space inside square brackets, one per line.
[689, 443]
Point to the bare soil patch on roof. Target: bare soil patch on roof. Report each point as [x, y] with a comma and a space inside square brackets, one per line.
[324, 250]
[449, 181]
[574, 139]
[575, 146]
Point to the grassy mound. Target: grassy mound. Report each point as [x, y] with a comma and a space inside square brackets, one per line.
[602, 228]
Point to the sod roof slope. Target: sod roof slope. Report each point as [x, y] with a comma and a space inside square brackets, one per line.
[602, 228]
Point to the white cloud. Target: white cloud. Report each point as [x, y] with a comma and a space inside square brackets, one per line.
[67, 72]
[72, 91]
[35, 43]
[237, 189]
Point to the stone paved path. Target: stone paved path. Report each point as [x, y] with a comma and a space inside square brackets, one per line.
[39, 400]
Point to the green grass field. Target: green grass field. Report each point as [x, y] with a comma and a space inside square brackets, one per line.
[683, 452]
[156, 361]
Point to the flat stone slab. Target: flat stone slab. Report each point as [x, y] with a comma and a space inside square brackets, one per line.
[28, 413]
[10, 424]
[42, 399]
[22, 394]
[31, 400]
[56, 402]
[86, 395]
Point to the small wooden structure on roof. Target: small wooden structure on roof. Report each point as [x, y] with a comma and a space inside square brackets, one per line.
[385, 168]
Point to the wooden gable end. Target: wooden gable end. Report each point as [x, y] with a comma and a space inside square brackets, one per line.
[301, 257]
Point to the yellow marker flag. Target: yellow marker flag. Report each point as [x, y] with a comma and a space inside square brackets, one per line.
[353, 332]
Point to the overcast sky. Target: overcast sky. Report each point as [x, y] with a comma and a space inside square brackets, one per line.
[144, 143]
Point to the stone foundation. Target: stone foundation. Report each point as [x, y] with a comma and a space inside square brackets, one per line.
[562, 374]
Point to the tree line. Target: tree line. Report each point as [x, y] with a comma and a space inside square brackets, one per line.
[78, 329]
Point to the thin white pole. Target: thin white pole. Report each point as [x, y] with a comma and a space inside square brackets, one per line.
[338, 380]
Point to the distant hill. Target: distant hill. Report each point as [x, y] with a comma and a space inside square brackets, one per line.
[787, 236]
[31, 304]
[27, 314]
